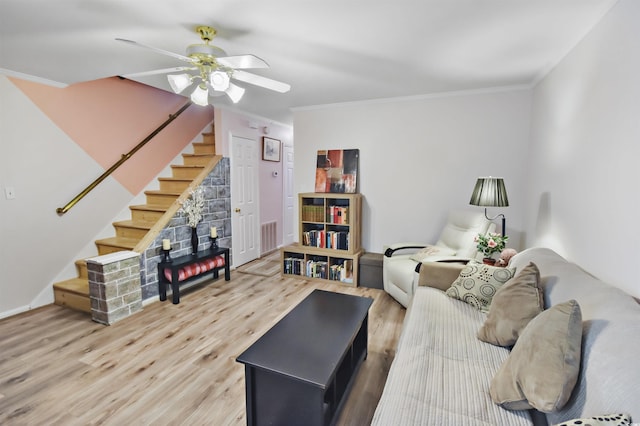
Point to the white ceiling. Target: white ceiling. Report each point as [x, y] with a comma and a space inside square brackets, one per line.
[330, 51]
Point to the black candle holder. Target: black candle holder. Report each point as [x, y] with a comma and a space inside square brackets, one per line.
[214, 243]
[166, 258]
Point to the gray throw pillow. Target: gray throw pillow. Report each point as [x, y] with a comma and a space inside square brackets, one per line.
[513, 306]
[477, 284]
[542, 369]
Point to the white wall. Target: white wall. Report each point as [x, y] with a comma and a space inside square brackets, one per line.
[420, 157]
[583, 196]
[42, 164]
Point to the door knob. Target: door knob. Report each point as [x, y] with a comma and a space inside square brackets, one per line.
[237, 210]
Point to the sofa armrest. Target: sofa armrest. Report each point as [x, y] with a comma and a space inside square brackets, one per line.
[439, 275]
[414, 246]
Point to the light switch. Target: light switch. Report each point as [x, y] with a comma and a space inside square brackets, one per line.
[9, 192]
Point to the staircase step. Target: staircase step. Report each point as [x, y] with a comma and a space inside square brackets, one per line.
[196, 159]
[147, 212]
[174, 184]
[81, 267]
[209, 138]
[204, 148]
[161, 198]
[73, 293]
[115, 244]
[183, 171]
[132, 228]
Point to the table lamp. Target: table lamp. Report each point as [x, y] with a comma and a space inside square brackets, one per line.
[490, 192]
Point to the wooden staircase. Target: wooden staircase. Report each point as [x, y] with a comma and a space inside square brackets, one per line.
[146, 221]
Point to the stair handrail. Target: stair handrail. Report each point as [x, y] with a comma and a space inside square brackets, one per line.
[121, 161]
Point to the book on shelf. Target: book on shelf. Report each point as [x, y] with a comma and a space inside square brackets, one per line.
[314, 238]
[312, 213]
[338, 215]
[342, 271]
[293, 265]
[347, 271]
[338, 240]
[316, 269]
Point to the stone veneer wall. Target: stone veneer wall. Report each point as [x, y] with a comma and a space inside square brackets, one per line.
[217, 213]
[114, 283]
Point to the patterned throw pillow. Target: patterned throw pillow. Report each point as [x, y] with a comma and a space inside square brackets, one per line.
[477, 283]
[432, 252]
[606, 420]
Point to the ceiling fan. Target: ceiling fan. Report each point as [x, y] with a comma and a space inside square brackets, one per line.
[214, 70]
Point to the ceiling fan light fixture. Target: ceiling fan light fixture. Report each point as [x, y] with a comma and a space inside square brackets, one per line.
[214, 93]
[205, 52]
[179, 82]
[219, 80]
[200, 96]
[235, 93]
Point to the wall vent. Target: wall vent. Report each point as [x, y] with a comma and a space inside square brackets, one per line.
[268, 237]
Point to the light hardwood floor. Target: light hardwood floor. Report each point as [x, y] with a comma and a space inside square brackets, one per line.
[169, 364]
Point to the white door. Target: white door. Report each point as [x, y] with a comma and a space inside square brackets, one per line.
[289, 196]
[245, 223]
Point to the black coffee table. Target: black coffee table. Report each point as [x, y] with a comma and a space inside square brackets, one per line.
[300, 370]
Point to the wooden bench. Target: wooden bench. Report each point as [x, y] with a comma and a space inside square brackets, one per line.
[184, 269]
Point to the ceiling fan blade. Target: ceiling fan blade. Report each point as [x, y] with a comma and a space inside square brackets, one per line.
[242, 62]
[161, 71]
[157, 50]
[258, 80]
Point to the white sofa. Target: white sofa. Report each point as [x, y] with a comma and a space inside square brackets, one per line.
[441, 373]
[456, 241]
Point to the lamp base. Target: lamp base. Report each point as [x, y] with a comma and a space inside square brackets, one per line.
[504, 220]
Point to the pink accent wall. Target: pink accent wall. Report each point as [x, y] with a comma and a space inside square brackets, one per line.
[108, 117]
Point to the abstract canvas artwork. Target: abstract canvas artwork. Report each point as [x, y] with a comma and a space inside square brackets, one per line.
[337, 170]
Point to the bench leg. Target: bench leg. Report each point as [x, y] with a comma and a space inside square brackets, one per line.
[162, 290]
[175, 287]
[227, 270]
[162, 286]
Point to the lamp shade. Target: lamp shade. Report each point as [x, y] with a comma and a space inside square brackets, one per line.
[179, 82]
[235, 92]
[219, 80]
[200, 96]
[489, 191]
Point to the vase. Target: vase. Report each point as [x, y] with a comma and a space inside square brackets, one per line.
[489, 261]
[194, 240]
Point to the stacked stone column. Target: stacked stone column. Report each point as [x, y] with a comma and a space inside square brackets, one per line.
[114, 286]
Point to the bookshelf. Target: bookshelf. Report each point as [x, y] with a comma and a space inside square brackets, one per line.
[330, 238]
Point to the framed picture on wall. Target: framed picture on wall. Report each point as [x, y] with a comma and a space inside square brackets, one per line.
[270, 149]
[337, 170]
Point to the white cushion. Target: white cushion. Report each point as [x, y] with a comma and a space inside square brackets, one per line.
[460, 231]
[432, 253]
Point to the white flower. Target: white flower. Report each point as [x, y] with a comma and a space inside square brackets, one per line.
[192, 207]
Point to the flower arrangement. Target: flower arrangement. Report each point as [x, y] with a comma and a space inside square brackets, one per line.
[192, 207]
[491, 243]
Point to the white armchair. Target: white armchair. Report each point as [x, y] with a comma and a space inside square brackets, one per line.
[456, 243]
